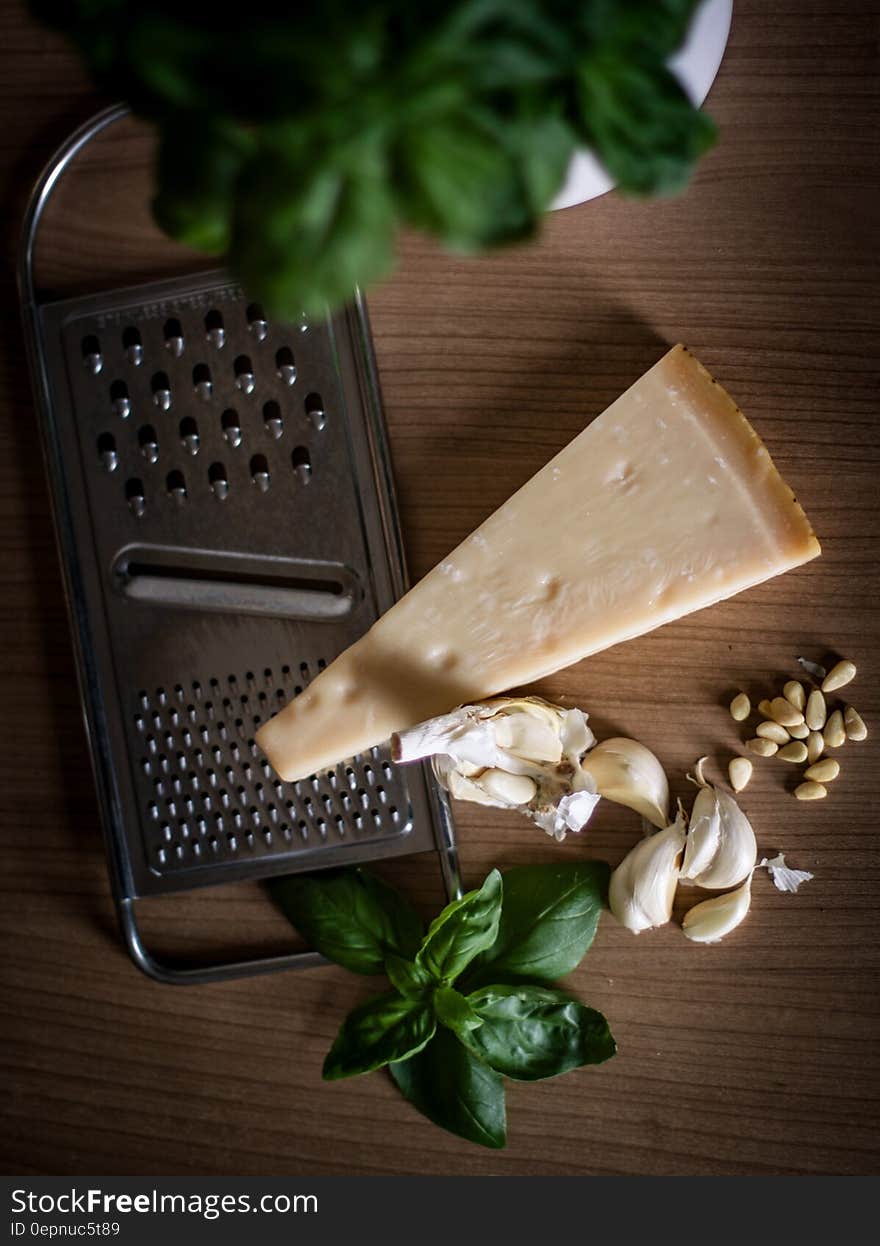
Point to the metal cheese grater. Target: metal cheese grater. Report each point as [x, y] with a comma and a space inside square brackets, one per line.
[224, 507]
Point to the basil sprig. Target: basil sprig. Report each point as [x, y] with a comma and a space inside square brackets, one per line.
[471, 1002]
[298, 139]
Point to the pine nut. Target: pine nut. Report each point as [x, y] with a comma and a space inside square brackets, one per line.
[794, 692]
[784, 713]
[763, 748]
[823, 771]
[740, 707]
[816, 711]
[772, 731]
[854, 724]
[834, 734]
[839, 675]
[815, 746]
[740, 771]
[796, 752]
[810, 791]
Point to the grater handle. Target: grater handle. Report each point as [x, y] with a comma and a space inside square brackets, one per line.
[171, 974]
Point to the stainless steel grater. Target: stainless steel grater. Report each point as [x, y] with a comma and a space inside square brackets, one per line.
[225, 513]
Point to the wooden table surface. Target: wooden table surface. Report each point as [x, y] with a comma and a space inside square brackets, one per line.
[755, 1056]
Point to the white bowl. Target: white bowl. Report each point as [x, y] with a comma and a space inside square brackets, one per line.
[695, 65]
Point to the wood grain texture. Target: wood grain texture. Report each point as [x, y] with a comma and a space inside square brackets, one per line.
[756, 1056]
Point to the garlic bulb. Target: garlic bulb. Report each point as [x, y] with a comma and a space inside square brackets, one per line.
[711, 920]
[628, 773]
[511, 753]
[642, 888]
[721, 848]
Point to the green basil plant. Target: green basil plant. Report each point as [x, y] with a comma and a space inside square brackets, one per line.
[298, 138]
[471, 1001]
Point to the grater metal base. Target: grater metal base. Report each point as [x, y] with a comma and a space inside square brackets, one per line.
[226, 520]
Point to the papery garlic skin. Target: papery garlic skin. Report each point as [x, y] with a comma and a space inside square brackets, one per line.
[711, 920]
[642, 888]
[783, 876]
[570, 813]
[629, 774]
[721, 848]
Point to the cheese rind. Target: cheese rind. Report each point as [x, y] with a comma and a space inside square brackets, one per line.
[664, 504]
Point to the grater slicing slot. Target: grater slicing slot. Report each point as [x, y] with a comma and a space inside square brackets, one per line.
[238, 584]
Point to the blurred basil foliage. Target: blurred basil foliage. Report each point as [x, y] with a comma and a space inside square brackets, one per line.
[297, 138]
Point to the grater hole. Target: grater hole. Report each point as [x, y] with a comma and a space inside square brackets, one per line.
[161, 389]
[173, 331]
[107, 455]
[219, 481]
[273, 420]
[134, 493]
[91, 353]
[285, 365]
[302, 463]
[176, 486]
[314, 405]
[148, 442]
[202, 381]
[231, 426]
[260, 472]
[132, 345]
[214, 330]
[257, 322]
[120, 402]
[244, 374]
[189, 435]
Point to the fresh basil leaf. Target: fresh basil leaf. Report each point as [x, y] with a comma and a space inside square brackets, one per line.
[383, 1030]
[407, 977]
[350, 916]
[454, 1011]
[464, 928]
[455, 1090]
[549, 917]
[312, 221]
[635, 114]
[532, 1032]
[456, 179]
[656, 25]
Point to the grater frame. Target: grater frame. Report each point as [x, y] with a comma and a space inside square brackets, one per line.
[426, 822]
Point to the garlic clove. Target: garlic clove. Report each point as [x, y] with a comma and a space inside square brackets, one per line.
[463, 788]
[529, 736]
[626, 772]
[704, 834]
[721, 848]
[642, 888]
[711, 920]
[513, 789]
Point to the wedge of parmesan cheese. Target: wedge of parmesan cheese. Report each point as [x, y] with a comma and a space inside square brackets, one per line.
[664, 504]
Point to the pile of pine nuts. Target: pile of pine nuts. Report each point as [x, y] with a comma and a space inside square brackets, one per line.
[797, 727]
